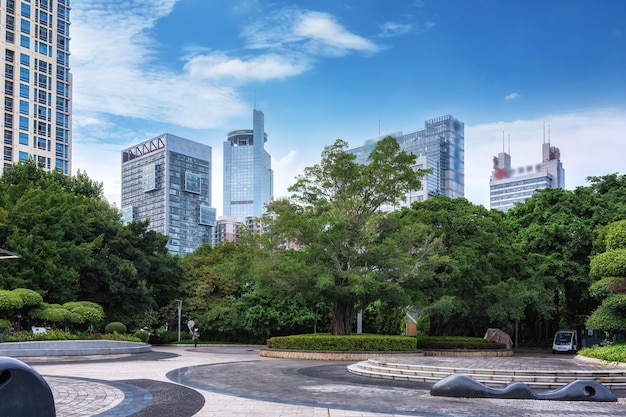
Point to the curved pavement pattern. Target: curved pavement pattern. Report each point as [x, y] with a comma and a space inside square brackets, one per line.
[235, 381]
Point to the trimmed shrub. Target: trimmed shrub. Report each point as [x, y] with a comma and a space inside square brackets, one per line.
[443, 342]
[120, 337]
[4, 325]
[142, 335]
[26, 336]
[115, 327]
[353, 343]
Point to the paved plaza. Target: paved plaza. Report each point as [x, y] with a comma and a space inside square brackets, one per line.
[177, 381]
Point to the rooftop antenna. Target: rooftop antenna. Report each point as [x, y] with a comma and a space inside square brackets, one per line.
[548, 133]
[254, 104]
[509, 144]
[544, 131]
[503, 141]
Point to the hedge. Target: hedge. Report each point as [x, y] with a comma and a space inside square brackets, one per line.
[353, 343]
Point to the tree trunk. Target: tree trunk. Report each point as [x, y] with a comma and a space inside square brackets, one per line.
[342, 317]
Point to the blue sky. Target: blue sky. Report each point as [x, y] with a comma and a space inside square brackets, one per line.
[327, 69]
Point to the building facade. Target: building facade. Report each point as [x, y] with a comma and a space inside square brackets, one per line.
[248, 175]
[508, 186]
[440, 146]
[167, 180]
[37, 89]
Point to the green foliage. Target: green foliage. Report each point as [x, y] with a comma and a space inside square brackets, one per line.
[5, 325]
[443, 342]
[610, 353]
[120, 337]
[53, 313]
[609, 264]
[26, 336]
[85, 312]
[115, 327]
[352, 343]
[141, 335]
[335, 216]
[10, 301]
[74, 246]
[30, 298]
[616, 236]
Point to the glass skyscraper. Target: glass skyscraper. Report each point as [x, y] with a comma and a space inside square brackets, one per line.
[167, 180]
[248, 176]
[37, 91]
[440, 147]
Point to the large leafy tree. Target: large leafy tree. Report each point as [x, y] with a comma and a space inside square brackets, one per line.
[477, 281]
[557, 230]
[335, 216]
[609, 270]
[74, 245]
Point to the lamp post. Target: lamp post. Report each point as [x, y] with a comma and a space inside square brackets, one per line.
[180, 308]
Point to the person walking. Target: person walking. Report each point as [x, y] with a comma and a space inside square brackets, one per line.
[195, 336]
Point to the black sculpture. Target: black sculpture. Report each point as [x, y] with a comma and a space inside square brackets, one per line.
[459, 385]
[23, 392]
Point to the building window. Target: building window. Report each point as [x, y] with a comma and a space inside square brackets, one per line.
[23, 138]
[128, 214]
[25, 10]
[23, 107]
[23, 156]
[24, 41]
[24, 91]
[192, 182]
[208, 215]
[24, 74]
[24, 123]
[25, 26]
[149, 178]
[25, 60]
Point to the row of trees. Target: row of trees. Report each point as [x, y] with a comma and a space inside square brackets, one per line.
[465, 267]
[74, 246]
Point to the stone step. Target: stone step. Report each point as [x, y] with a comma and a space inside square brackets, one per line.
[542, 379]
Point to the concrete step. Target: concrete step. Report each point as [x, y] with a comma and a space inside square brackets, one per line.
[541, 379]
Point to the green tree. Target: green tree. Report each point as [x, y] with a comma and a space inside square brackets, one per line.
[609, 271]
[478, 280]
[335, 215]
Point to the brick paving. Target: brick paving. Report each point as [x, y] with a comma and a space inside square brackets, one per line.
[235, 381]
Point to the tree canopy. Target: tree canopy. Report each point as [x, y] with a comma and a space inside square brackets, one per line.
[335, 216]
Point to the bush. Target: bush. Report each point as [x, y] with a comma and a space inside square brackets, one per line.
[5, 325]
[120, 337]
[27, 336]
[142, 335]
[354, 343]
[610, 353]
[115, 327]
[442, 342]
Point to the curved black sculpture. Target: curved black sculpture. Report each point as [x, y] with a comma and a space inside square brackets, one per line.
[23, 392]
[459, 385]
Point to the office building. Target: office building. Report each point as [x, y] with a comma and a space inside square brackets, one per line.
[248, 176]
[509, 186]
[167, 180]
[440, 147]
[37, 91]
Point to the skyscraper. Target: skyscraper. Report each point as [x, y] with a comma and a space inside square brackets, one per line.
[508, 186]
[167, 180]
[37, 93]
[248, 176]
[440, 147]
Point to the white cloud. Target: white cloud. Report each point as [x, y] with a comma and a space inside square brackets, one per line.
[314, 32]
[218, 66]
[391, 29]
[512, 96]
[591, 144]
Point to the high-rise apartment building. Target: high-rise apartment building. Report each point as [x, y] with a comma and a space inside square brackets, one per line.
[37, 90]
[440, 147]
[167, 180]
[248, 176]
[509, 186]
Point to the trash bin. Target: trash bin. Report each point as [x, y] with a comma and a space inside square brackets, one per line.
[23, 392]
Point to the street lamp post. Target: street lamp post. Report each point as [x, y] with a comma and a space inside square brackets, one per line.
[180, 308]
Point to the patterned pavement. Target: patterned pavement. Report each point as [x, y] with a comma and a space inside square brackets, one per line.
[235, 381]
